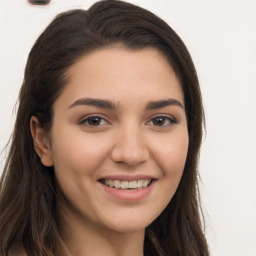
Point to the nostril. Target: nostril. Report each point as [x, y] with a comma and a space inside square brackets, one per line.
[39, 2]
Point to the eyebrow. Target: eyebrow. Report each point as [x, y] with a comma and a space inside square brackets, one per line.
[106, 104]
[94, 102]
[163, 103]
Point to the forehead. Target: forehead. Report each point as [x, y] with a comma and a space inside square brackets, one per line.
[120, 74]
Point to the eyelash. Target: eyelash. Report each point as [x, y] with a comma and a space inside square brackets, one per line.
[170, 119]
[90, 118]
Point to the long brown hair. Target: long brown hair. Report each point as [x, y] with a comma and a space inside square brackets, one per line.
[28, 190]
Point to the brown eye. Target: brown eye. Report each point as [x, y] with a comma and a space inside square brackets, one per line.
[94, 121]
[162, 121]
[159, 121]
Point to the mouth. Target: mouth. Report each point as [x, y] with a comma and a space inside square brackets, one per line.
[127, 185]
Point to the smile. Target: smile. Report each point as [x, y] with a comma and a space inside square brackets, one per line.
[127, 185]
[127, 188]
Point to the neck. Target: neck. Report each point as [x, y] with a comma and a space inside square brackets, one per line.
[83, 237]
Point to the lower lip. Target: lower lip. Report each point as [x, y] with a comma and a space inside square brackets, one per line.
[129, 195]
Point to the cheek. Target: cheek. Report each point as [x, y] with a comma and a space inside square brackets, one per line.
[78, 152]
[171, 154]
[77, 158]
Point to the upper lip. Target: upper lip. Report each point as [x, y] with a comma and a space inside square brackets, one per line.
[127, 177]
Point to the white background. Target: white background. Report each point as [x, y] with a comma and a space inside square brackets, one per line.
[221, 37]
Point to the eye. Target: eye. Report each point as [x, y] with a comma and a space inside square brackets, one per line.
[162, 121]
[94, 121]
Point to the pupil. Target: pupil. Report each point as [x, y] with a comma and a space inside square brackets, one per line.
[159, 121]
[94, 121]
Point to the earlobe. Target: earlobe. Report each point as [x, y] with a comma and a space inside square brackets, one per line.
[41, 143]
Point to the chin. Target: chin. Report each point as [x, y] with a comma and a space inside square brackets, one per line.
[129, 222]
[128, 229]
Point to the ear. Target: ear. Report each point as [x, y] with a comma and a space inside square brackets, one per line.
[41, 142]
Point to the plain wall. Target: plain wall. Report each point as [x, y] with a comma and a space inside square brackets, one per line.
[221, 37]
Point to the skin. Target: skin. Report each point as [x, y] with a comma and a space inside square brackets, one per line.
[127, 140]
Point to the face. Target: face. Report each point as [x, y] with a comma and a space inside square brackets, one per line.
[119, 138]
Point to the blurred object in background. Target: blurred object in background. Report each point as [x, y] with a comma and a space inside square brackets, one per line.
[39, 2]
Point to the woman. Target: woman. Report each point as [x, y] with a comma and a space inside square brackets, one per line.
[104, 153]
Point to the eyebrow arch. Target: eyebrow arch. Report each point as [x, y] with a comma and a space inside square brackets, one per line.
[94, 102]
[163, 103]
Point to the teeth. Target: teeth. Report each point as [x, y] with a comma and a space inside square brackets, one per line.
[117, 184]
[133, 184]
[140, 183]
[145, 183]
[111, 183]
[123, 184]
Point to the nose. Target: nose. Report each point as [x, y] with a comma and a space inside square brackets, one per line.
[130, 147]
